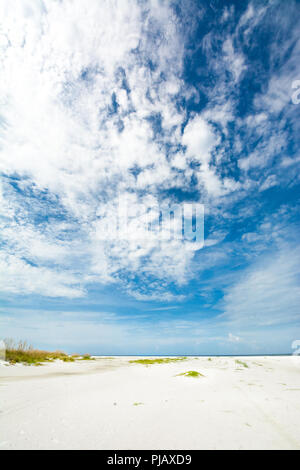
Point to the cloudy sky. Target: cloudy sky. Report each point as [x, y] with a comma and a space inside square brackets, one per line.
[150, 102]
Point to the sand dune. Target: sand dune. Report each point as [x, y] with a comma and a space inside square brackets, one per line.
[238, 403]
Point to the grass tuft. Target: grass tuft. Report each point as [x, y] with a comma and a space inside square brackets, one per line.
[164, 360]
[191, 373]
[138, 403]
[241, 363]
[87, 357]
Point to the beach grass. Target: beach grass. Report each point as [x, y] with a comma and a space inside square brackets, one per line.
[22, 352]
[87, 357]
[160, 360]
[241, 363]
[191, 373]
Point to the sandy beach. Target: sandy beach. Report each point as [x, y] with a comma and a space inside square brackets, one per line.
[110, 403]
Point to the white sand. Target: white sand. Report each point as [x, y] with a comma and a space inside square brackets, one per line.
[90, 405]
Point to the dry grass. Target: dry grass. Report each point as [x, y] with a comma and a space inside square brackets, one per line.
[22, 352]
[161, 360]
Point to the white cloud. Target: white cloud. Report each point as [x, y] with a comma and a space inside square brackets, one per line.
[235, 61]
[18, 276]
[233, 339]
[252, 17]
[86, 121]
[264, 152]
[78, 99]
[289, 161]
[283, 58]
[215, 238]
[269, 182]
[199, 139]
[267, 293]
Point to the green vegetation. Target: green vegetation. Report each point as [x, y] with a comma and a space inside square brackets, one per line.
[64, 357]
[87, 357]
[241, 363]
[138, 403]
[164, 360]
[209, 359]
[24, 353]
[191, 373]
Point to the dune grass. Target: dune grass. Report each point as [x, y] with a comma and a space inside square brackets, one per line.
[191, 373]
[22, 352]
[87, 357]
[241, 363]
[160, 360]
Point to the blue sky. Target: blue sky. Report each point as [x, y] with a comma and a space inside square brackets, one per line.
[153, 103]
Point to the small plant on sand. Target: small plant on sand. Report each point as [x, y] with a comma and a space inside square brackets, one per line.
[67, 359]
[241, 363]
[191, 373]
[161, 360]
[87, 357]
[138, 403]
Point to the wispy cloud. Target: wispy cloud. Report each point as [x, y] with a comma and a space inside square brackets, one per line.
[152, 103]
[268, 292]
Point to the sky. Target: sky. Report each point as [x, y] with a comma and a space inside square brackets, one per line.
[152, 103]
